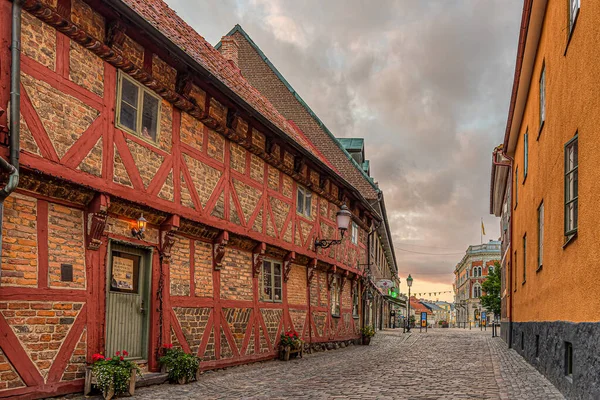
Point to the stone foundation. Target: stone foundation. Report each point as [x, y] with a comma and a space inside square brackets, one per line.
[543, 345]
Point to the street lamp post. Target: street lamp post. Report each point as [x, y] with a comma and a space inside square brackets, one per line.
[409, 282]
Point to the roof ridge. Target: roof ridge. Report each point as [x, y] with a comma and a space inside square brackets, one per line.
[238, 28]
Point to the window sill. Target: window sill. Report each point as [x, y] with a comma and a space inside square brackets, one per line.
[356, 316]
[570, 239]
[541, 129]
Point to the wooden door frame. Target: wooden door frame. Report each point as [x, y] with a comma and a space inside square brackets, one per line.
[147, 263]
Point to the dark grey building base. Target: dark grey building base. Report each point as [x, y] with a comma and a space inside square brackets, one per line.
[545, 344]
[504, 331]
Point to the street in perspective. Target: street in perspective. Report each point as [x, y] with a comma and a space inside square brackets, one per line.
[286, 199]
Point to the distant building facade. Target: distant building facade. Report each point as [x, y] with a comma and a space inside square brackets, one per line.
[469, 275]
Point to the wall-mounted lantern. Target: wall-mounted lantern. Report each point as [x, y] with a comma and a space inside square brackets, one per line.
[141, 228]
[343, 218]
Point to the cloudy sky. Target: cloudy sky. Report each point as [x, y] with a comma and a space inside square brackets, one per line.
[426, 83]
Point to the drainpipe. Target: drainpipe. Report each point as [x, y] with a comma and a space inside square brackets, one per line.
[12, 166]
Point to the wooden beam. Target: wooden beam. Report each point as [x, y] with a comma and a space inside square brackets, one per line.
[258, 256]
[219, 249]
[97, 214]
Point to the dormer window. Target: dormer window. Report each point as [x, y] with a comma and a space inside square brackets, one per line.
[304, 204]
[138, 109]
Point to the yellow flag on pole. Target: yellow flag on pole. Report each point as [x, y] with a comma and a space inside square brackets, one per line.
[482, 227]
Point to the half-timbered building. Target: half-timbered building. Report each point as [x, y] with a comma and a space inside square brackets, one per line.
[161, 199]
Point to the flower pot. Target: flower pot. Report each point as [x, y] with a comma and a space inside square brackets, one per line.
[90, 380]
[366, 340]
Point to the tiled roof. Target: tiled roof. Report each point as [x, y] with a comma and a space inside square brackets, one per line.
[315, 130]
[173, 27]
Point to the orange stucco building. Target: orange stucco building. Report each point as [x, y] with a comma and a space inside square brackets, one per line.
[544, 187]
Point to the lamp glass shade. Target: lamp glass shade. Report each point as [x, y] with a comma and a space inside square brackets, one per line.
[343, 218]
[141, 223]
[409, 281]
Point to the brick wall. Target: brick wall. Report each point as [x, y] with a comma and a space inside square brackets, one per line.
[19, 241]
[236, 275]
[180, 267]
[41, 327]
[66, 245]
[38, 40]
[203, 269]
[296, 285]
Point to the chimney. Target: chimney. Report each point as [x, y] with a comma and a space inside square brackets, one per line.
[229, 49]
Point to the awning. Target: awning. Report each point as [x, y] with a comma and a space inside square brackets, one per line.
[394, 300]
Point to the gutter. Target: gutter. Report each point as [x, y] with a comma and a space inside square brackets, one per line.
[12, 166]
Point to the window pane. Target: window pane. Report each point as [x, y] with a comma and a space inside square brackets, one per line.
[149, 117]
[308, 203]
[277, 294]
[128, 116]
[129, 92]
[267, 286]
[300, 205]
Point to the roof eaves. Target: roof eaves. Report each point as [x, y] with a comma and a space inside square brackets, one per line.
[237, 28]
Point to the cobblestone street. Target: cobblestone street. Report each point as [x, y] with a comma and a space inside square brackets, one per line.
[440, 364]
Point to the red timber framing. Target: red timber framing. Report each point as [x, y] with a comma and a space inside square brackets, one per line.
[184, 210]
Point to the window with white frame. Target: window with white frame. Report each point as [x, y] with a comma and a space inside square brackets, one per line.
[354, 233]
[138, 109]
[335, 296]
[476, 291]
[304, 203]
[543, 95]
[574, 6]
[271, 281]
[571, 186]
[540, 235]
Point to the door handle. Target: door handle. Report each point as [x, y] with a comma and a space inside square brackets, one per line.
[142, 309]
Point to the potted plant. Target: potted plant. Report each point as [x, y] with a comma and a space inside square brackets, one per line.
[113, 376]
[290, 344]
[182, 367]
[367, 333]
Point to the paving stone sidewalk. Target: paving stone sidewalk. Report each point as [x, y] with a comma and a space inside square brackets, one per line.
[440, 364]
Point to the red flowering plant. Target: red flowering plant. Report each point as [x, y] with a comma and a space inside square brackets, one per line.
[113, 373]
[182, 367]
[291, 339]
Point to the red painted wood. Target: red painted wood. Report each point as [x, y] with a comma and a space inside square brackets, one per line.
[248, 334]
[217, 311]
[108, 161]
[229, 336]
[138, 196]
[128, 161]
[66, 350]
[84, 144]
[191, 188]
[42, 232]
[214, 197]
[201, 156]
[179, 333]
[176, 139]
[189, 301]
[45, 391]
[153, 343]
[206, 334]
[237, 205]
[42, 294]
[143, 143]
[17, 356]
[36, 127]
[265, 332]
[161, 176]
[63, 44]
[42, 73]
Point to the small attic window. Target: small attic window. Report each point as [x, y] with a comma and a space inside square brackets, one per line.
[138, 109]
